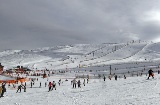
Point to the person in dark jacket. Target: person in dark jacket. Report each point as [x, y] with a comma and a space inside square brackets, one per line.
[24, 87]
[115, 77]
[3, 89]
[150, 72]
[84, 82]
[104, 78]
[79, 84]
[31, 84]
[40, 84]
[74, 82]
[19, 88]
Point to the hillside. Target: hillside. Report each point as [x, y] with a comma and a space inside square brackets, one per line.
[81, 55]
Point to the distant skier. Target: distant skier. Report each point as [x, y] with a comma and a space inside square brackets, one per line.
[9, 84]
[104, 78]
[115, 77]
[3, 89]
[50, 86]
[40, 84]
[53, 85]
[24, 87]
[84, 82]
[79, 84]
[45, 84]
[109, 77]
[19, 88]
[59, 82]
[87, 80]
[74, 83]
[13, 85]
[150, 72]
[31, 84]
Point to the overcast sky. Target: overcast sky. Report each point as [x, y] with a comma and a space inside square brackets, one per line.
[29, 24]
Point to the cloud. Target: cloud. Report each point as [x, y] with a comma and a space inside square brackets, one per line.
[29, 24]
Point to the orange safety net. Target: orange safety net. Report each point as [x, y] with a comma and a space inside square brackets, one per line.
[13, 81]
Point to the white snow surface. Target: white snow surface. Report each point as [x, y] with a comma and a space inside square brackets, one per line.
[130, 91]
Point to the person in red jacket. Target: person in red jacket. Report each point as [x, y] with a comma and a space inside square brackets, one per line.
[50, 86]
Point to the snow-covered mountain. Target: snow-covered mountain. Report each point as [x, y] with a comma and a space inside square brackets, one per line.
[132, 60]
[81, 55]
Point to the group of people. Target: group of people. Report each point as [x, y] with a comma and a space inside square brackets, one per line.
[52, 85]
[20, 87]
[115, 76]
[150, 74]
[74, 82]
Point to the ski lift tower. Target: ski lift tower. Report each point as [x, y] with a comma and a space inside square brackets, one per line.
[110, 69]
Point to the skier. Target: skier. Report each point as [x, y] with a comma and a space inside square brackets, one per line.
[150, 72]
[115, 77]
[79, 84]
[71, 82]
[104, 78]
[54, 85]
[87, 80]
[50, 86]
[40, 84]
[84, 82]
[3, 89]
[19, 88]
[45, 84]
[14, 85]
[59, 82]
[24, 87]
[74, 83]
[31, 84]
[109, 77]
[9, 84]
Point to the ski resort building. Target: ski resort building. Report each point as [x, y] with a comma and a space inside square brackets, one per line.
[19, 69]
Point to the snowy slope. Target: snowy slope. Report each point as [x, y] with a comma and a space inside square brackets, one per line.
[83, 55]
[129, 59]
[130, 91]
